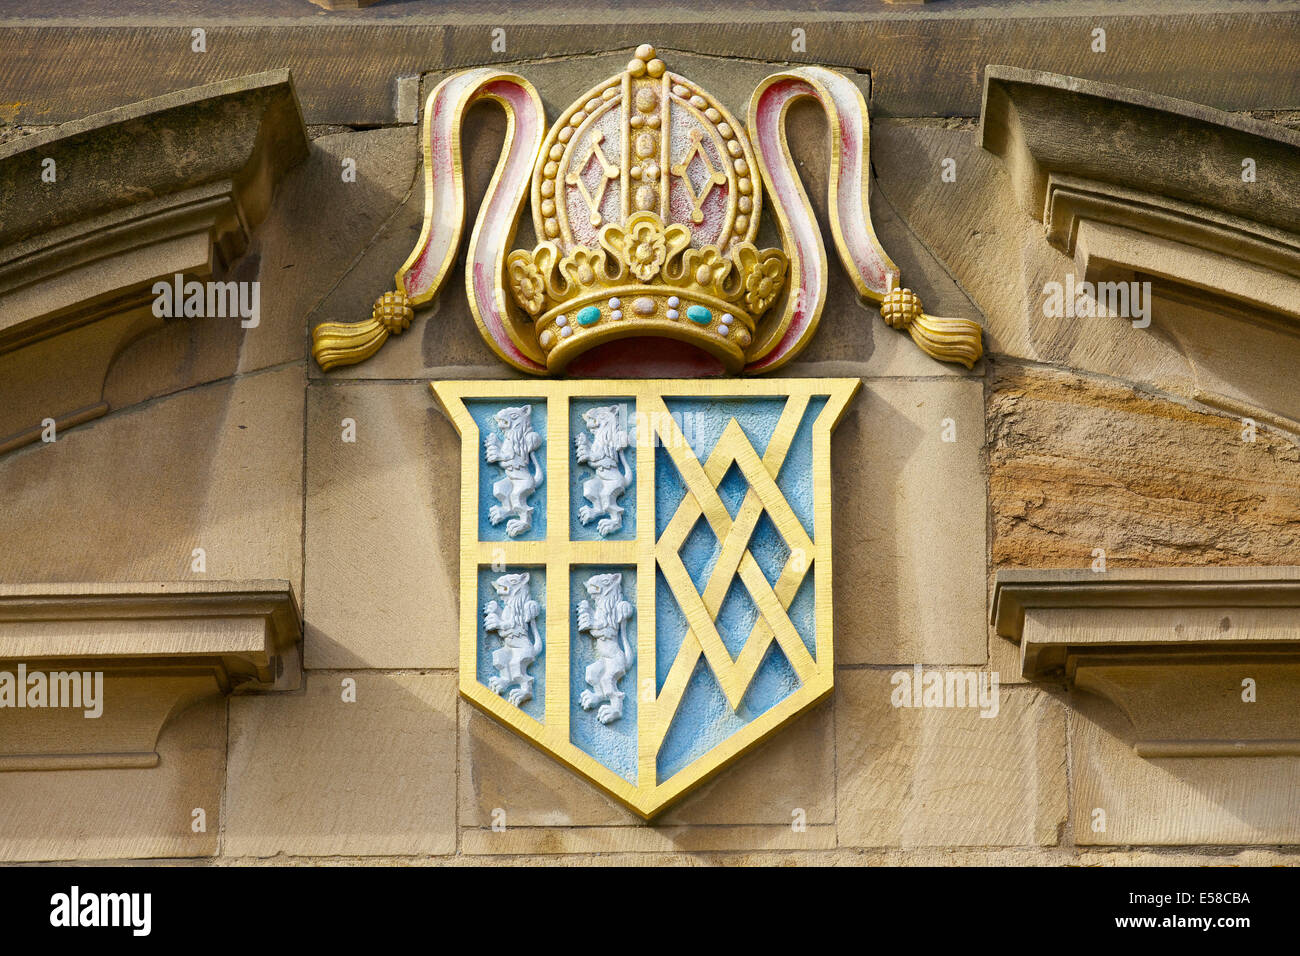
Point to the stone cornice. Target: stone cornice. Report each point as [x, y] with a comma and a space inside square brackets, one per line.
[132, 183]
[1177, 650]
[169, 186]
[1017, 590]
[244, 130]
[161, 647]
[347, 63]
[1045, 124]
[1130, 182]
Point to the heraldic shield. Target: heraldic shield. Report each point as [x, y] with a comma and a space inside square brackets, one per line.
[646, 554]
[646, 568]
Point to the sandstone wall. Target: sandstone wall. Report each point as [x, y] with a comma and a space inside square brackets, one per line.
[1060, 448]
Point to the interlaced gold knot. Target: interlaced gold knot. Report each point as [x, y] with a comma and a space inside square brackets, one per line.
[900, 308]
[393, 311]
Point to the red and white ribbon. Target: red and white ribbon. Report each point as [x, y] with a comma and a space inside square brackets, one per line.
[871, 270]
[424, 271]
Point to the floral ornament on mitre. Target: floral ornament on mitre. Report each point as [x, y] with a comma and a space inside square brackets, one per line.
[644, 245]
[764, 276]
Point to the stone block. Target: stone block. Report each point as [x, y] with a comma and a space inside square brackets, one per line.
[1078, 463]
[130, 496]
[909, 524]
[313, 775]
[320, 229]
[912, 777]
[1181, 801]
[124, 813]
[500, 771]
[660, 840]
[383, 529]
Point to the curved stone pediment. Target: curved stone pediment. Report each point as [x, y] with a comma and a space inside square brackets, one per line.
[1197, 203]
[98, 210]
[1045, 126]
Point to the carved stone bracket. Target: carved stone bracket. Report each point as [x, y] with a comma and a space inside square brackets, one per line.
[1203, 662]
[160, 647]
[1083, 152]
[96, 211]
[1130, 182]
[1197, 202]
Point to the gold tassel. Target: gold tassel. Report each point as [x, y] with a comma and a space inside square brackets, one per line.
[347, 343]
[948, 340]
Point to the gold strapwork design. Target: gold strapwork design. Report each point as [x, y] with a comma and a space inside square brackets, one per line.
[712, 177]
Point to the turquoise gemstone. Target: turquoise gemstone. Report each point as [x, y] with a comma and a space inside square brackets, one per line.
[698, 313]
[588, 315]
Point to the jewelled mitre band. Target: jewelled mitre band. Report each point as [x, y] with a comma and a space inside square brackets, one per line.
[645, 206]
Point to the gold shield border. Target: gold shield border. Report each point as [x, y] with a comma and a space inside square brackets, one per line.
[557, 556]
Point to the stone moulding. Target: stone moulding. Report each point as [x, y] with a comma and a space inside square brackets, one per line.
[118, 171]
[171, 185]
[161, 647]
[1203, 662]
[1132, 182]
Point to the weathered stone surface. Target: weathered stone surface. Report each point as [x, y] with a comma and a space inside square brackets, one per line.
[999, 255]
[499, 770]
[658, 840]
[123, 660]
[973, 226]
[1173, 649]
[33, 395]
[842, 856]
[1224, 800]
[122, 814]
[1077, 463]
[925, 63]
[794, 771]
[247, 129]
[321, 228]
[129, 497]
[852, 331]
[1004, 657]
[1040, 122]
[308, 244]
[383, 529]
[909, 520]
[443, 340]
[314, 775]
[947, 777]
[1213, 246]
[98, 210]
[1250, 379]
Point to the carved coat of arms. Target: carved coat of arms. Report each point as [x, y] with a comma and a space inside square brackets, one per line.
[646, 562]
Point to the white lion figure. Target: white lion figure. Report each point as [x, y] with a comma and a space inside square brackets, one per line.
[516, 446]
[605, 618]
[512, 620]
[604, 452]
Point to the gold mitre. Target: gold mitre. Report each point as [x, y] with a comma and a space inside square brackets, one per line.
[646, 196]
